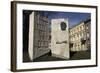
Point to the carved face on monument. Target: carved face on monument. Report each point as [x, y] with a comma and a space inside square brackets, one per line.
[63, 26]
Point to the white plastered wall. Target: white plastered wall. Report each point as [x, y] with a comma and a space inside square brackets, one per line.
[57, 35]
[31, 30]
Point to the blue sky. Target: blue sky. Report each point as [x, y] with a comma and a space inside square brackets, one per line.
[73, 17]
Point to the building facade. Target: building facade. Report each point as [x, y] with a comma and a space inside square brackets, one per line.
[38, 35]
[80, 36]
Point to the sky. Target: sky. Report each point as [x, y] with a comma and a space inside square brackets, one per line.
[73, 17]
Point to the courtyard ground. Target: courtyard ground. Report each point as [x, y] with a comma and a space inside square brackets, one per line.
[47, 57]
